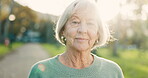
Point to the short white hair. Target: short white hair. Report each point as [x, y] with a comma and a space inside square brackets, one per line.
[103, 31]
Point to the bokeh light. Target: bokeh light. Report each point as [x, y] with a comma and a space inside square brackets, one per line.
[12, 17]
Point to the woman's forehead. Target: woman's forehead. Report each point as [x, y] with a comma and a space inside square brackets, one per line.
[85, 8]
[80, 16]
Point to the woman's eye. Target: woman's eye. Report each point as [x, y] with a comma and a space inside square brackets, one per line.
[91, 24]
[75, 22]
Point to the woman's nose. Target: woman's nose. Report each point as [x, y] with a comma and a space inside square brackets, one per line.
[82, 28]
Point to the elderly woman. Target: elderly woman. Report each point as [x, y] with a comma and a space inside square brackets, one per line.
[80, 30]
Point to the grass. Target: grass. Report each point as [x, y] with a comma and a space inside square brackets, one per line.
[5, 50]
[134, 63]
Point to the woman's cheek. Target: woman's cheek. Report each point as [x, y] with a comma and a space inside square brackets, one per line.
[93, 37]
[70, 36]
[91, 42]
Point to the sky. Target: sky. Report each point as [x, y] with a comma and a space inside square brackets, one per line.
[109, 8]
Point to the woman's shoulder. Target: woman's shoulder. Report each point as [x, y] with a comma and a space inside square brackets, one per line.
[106, 63]
[41, 63]
[41, 67]
[108, 67]
[45, 61]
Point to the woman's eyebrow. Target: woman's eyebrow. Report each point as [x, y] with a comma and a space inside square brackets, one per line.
[91, 19]
[74, 17]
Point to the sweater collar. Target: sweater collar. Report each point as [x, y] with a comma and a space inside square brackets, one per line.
[88, 71]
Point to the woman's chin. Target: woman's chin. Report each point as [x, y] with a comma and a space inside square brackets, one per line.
[81, 48]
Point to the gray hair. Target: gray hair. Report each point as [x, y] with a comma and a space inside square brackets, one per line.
[103, 31]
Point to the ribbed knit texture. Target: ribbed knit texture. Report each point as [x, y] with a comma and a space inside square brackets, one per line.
[53, 68]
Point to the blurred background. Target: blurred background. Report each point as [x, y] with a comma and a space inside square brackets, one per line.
[32, 22]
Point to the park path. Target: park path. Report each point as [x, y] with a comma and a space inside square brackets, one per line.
[18, 63]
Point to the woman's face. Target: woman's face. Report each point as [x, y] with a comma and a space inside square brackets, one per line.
[81, 30]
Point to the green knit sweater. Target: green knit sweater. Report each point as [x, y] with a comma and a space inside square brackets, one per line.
[53, 68]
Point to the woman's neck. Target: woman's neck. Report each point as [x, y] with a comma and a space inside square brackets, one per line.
[77, 60]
